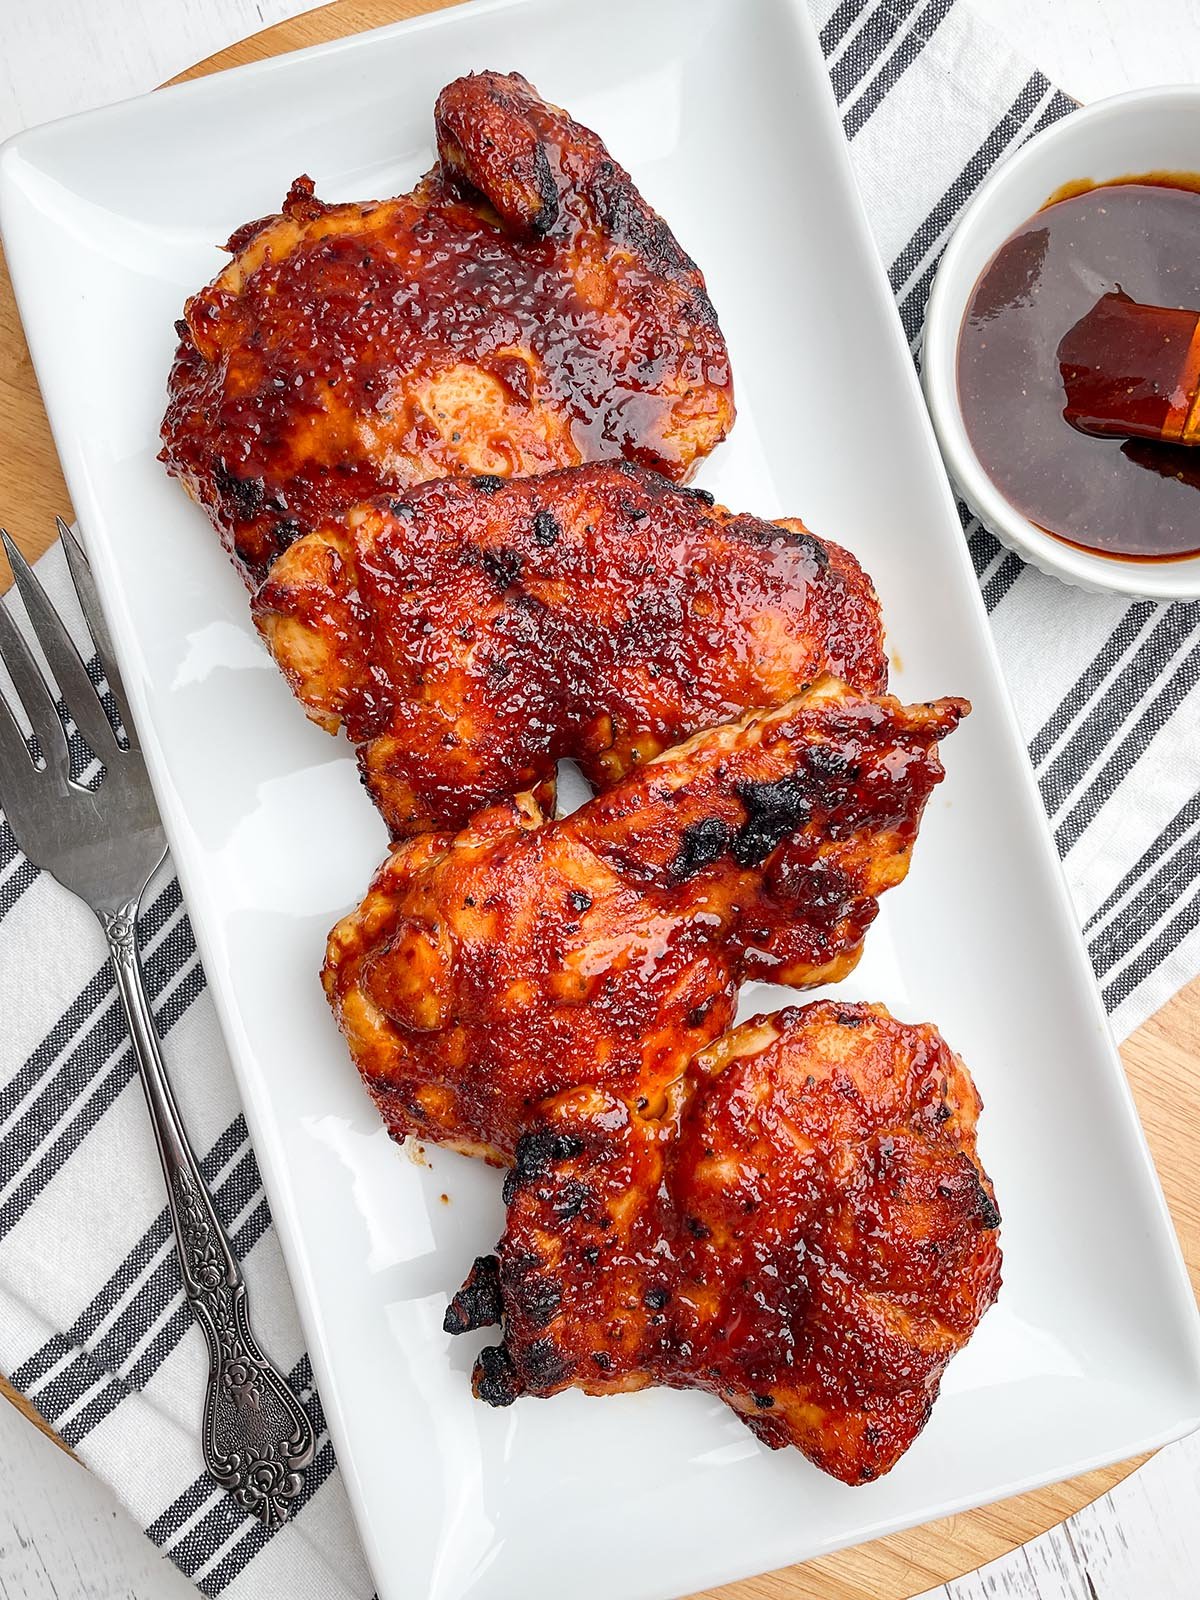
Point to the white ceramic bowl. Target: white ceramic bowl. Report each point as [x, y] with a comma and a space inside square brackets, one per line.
[1146, 131]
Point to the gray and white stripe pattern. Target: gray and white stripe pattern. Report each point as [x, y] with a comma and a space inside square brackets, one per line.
[92, 1324]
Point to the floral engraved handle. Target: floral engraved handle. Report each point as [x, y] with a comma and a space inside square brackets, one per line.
[257, 1436]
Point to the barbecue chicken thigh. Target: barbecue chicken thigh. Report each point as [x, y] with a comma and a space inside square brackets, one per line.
[806, 1232]
[522, 309]
[472, 633]
[490, 969]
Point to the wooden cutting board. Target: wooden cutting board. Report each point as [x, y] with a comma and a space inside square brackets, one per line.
[1162, 1058]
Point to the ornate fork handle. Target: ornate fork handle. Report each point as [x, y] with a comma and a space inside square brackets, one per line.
[257, 1437]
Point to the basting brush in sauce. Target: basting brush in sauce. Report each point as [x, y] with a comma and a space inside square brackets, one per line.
[1133, 371]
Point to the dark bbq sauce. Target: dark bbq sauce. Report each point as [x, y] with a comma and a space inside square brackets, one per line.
[1128, 498]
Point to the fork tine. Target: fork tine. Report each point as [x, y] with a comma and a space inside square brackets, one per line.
[18, 775]
[78, 690]
[36, 698]
[93, 615]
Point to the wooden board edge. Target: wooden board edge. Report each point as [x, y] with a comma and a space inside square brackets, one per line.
[29, 1410]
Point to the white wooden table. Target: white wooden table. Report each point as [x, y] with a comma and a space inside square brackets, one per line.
[62, 1537]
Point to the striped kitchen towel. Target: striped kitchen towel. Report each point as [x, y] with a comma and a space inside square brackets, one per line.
[92, 1324]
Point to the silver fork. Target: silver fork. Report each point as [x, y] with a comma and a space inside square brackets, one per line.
[105, 844]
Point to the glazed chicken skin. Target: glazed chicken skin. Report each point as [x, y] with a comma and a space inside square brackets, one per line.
[522, 309]
[488, 970]
[806, 1233]
[474, 632]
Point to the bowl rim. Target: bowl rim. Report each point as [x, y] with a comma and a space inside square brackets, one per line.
[957, 273]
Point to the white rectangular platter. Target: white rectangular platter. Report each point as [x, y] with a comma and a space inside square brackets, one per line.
[722, 111]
